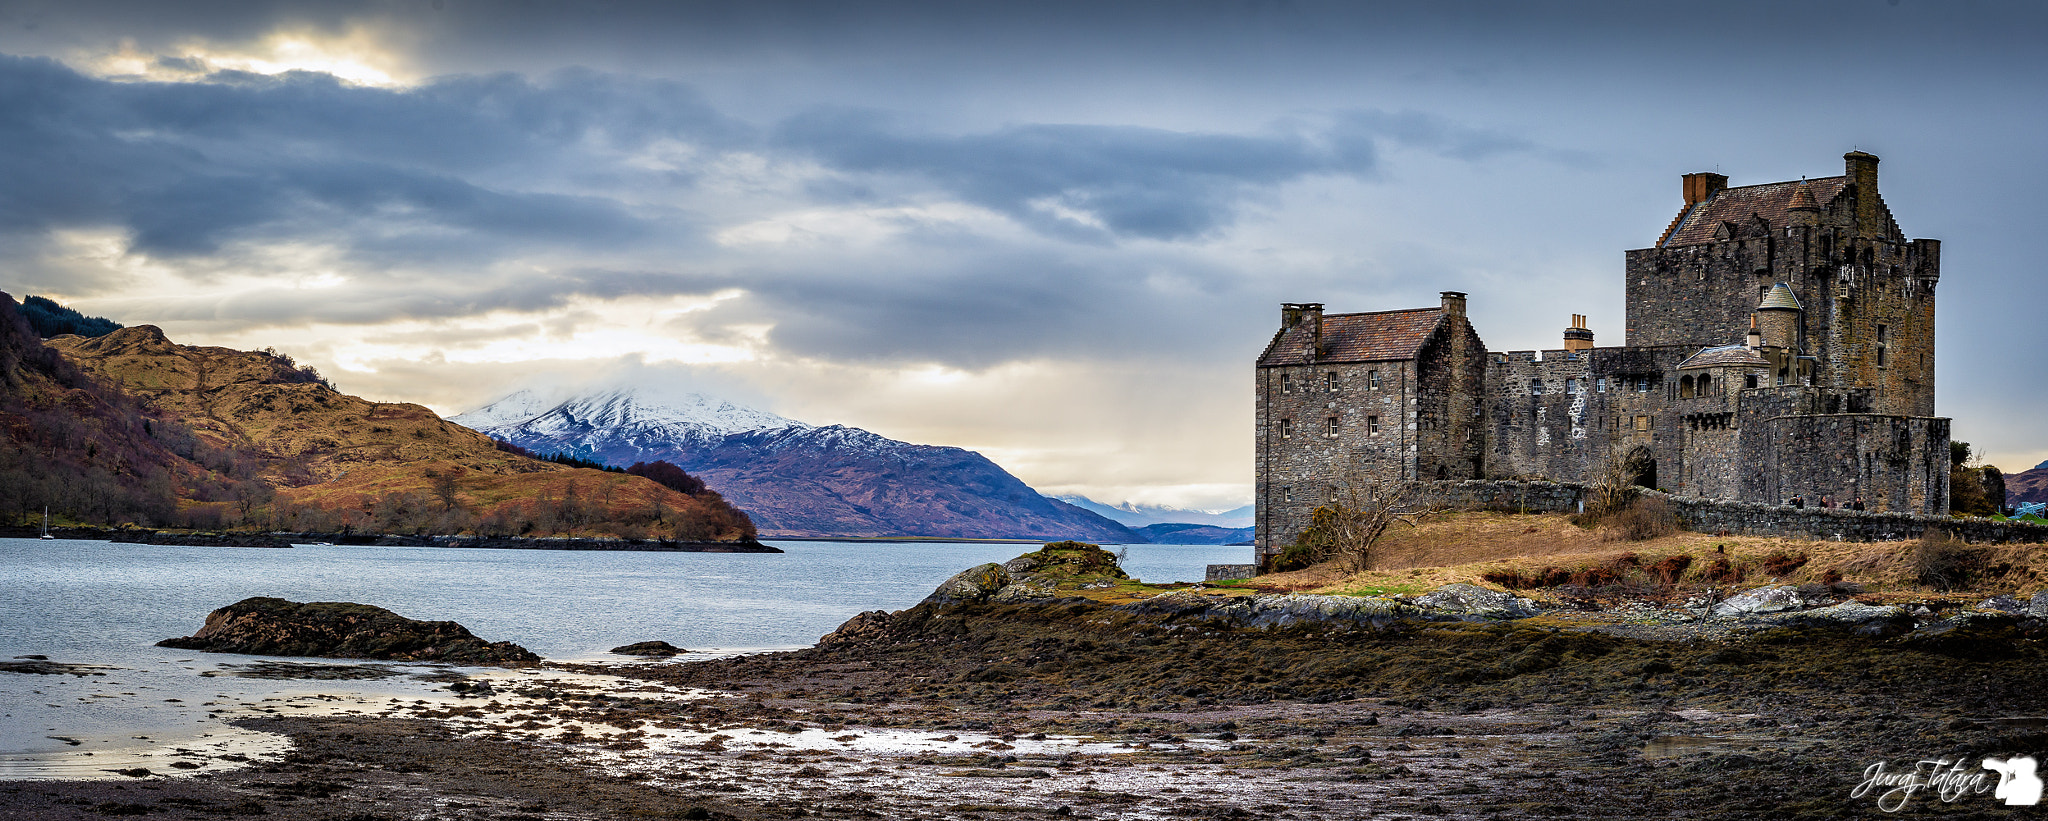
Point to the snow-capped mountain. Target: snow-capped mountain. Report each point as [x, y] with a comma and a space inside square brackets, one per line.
[796, 479]
[1131, 514]
[621, 426]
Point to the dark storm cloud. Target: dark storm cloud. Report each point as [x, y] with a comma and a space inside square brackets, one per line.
[185, 167]
[1142, 182]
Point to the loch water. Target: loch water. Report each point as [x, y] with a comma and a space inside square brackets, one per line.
[103, 604]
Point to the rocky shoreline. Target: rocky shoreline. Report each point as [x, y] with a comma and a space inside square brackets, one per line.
[1051, 686]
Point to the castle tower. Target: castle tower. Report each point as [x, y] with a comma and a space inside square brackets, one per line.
[1865, 293]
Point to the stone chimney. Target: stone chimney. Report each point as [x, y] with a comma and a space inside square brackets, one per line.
[1862, 171]
[1703, 186]
[1756, 337]
[1454, 302]
[1577, 337]
[1296, 313]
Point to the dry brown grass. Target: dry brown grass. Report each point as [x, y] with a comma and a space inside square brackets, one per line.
[1465, 547]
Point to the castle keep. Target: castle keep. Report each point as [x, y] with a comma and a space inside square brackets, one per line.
[1779, 341]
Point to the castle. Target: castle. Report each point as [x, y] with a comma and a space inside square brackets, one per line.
[1779, 341]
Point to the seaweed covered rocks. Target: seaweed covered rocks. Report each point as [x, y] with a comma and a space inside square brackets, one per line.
[652, 649]
[275, 627]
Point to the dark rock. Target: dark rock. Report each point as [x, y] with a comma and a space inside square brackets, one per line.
[973, 584]
[659, 649]
[864, 628]
[274, 627]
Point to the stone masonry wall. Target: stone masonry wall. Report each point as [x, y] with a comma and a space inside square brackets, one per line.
[1744, 518]
[1854, 290]
[1302, 462]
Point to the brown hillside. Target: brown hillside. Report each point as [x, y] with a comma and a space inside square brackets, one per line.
[82, 448]
[2027, 486]
[334, 460]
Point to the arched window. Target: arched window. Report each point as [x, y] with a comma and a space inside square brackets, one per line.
[1685, 387]
[1705, 382]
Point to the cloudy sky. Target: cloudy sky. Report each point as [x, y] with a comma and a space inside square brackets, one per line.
[1056, 233]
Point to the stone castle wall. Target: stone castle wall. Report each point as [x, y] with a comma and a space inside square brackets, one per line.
[1302, 463]
[1854, 289]
[1744, 518]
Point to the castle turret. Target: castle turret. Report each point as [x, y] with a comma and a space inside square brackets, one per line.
[1778, 317]
[1804, 208]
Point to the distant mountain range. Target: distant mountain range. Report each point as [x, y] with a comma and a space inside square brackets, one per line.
[792, 478]
[1130, 514]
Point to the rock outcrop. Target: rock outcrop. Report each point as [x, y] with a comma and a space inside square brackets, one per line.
[265, 626]
[658, 649]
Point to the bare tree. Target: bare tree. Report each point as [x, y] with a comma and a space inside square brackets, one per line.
[1348, 527]
[1615, 480]
[445, 484]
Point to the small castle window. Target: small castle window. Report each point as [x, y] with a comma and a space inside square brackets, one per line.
[1600, 385]
[1330, 381]
[1287, 492]
[1685, 387]
[1705, 383]
[1333, 425]
[1880, 333]
[1372, 424]
[1333, 494]
[1372, 380]
[1571, 386]
[1286, 385]
[1880, 355]
[1749, 380]
[1286, 428]
[1535, 387]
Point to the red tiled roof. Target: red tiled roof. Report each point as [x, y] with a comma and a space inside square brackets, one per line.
[1738, 205]
[1373, 337]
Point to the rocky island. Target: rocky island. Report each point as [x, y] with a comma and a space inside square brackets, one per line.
[275, 627]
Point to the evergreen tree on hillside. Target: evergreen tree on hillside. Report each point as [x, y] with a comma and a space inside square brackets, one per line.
[51, 319]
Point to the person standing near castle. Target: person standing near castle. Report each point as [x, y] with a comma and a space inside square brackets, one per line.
[1858, 504]
[1798, 501]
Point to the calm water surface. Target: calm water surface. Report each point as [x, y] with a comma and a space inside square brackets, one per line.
[107, 604]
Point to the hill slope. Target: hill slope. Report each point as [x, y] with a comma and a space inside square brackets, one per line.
[796, 479]
[83, 449]
[2027, 486]
[327, 460]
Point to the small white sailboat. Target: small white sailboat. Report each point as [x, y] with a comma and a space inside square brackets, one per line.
[46, 523]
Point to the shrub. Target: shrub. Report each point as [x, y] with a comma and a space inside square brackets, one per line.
[1671, 569]
[1782, 563]
[1644, 519]
[1941, 562]
[1722, 571]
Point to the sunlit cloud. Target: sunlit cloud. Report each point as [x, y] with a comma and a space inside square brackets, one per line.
[362, 55]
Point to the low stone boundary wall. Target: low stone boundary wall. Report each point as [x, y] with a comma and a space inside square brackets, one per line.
[1743, 518]
[1222, 572]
